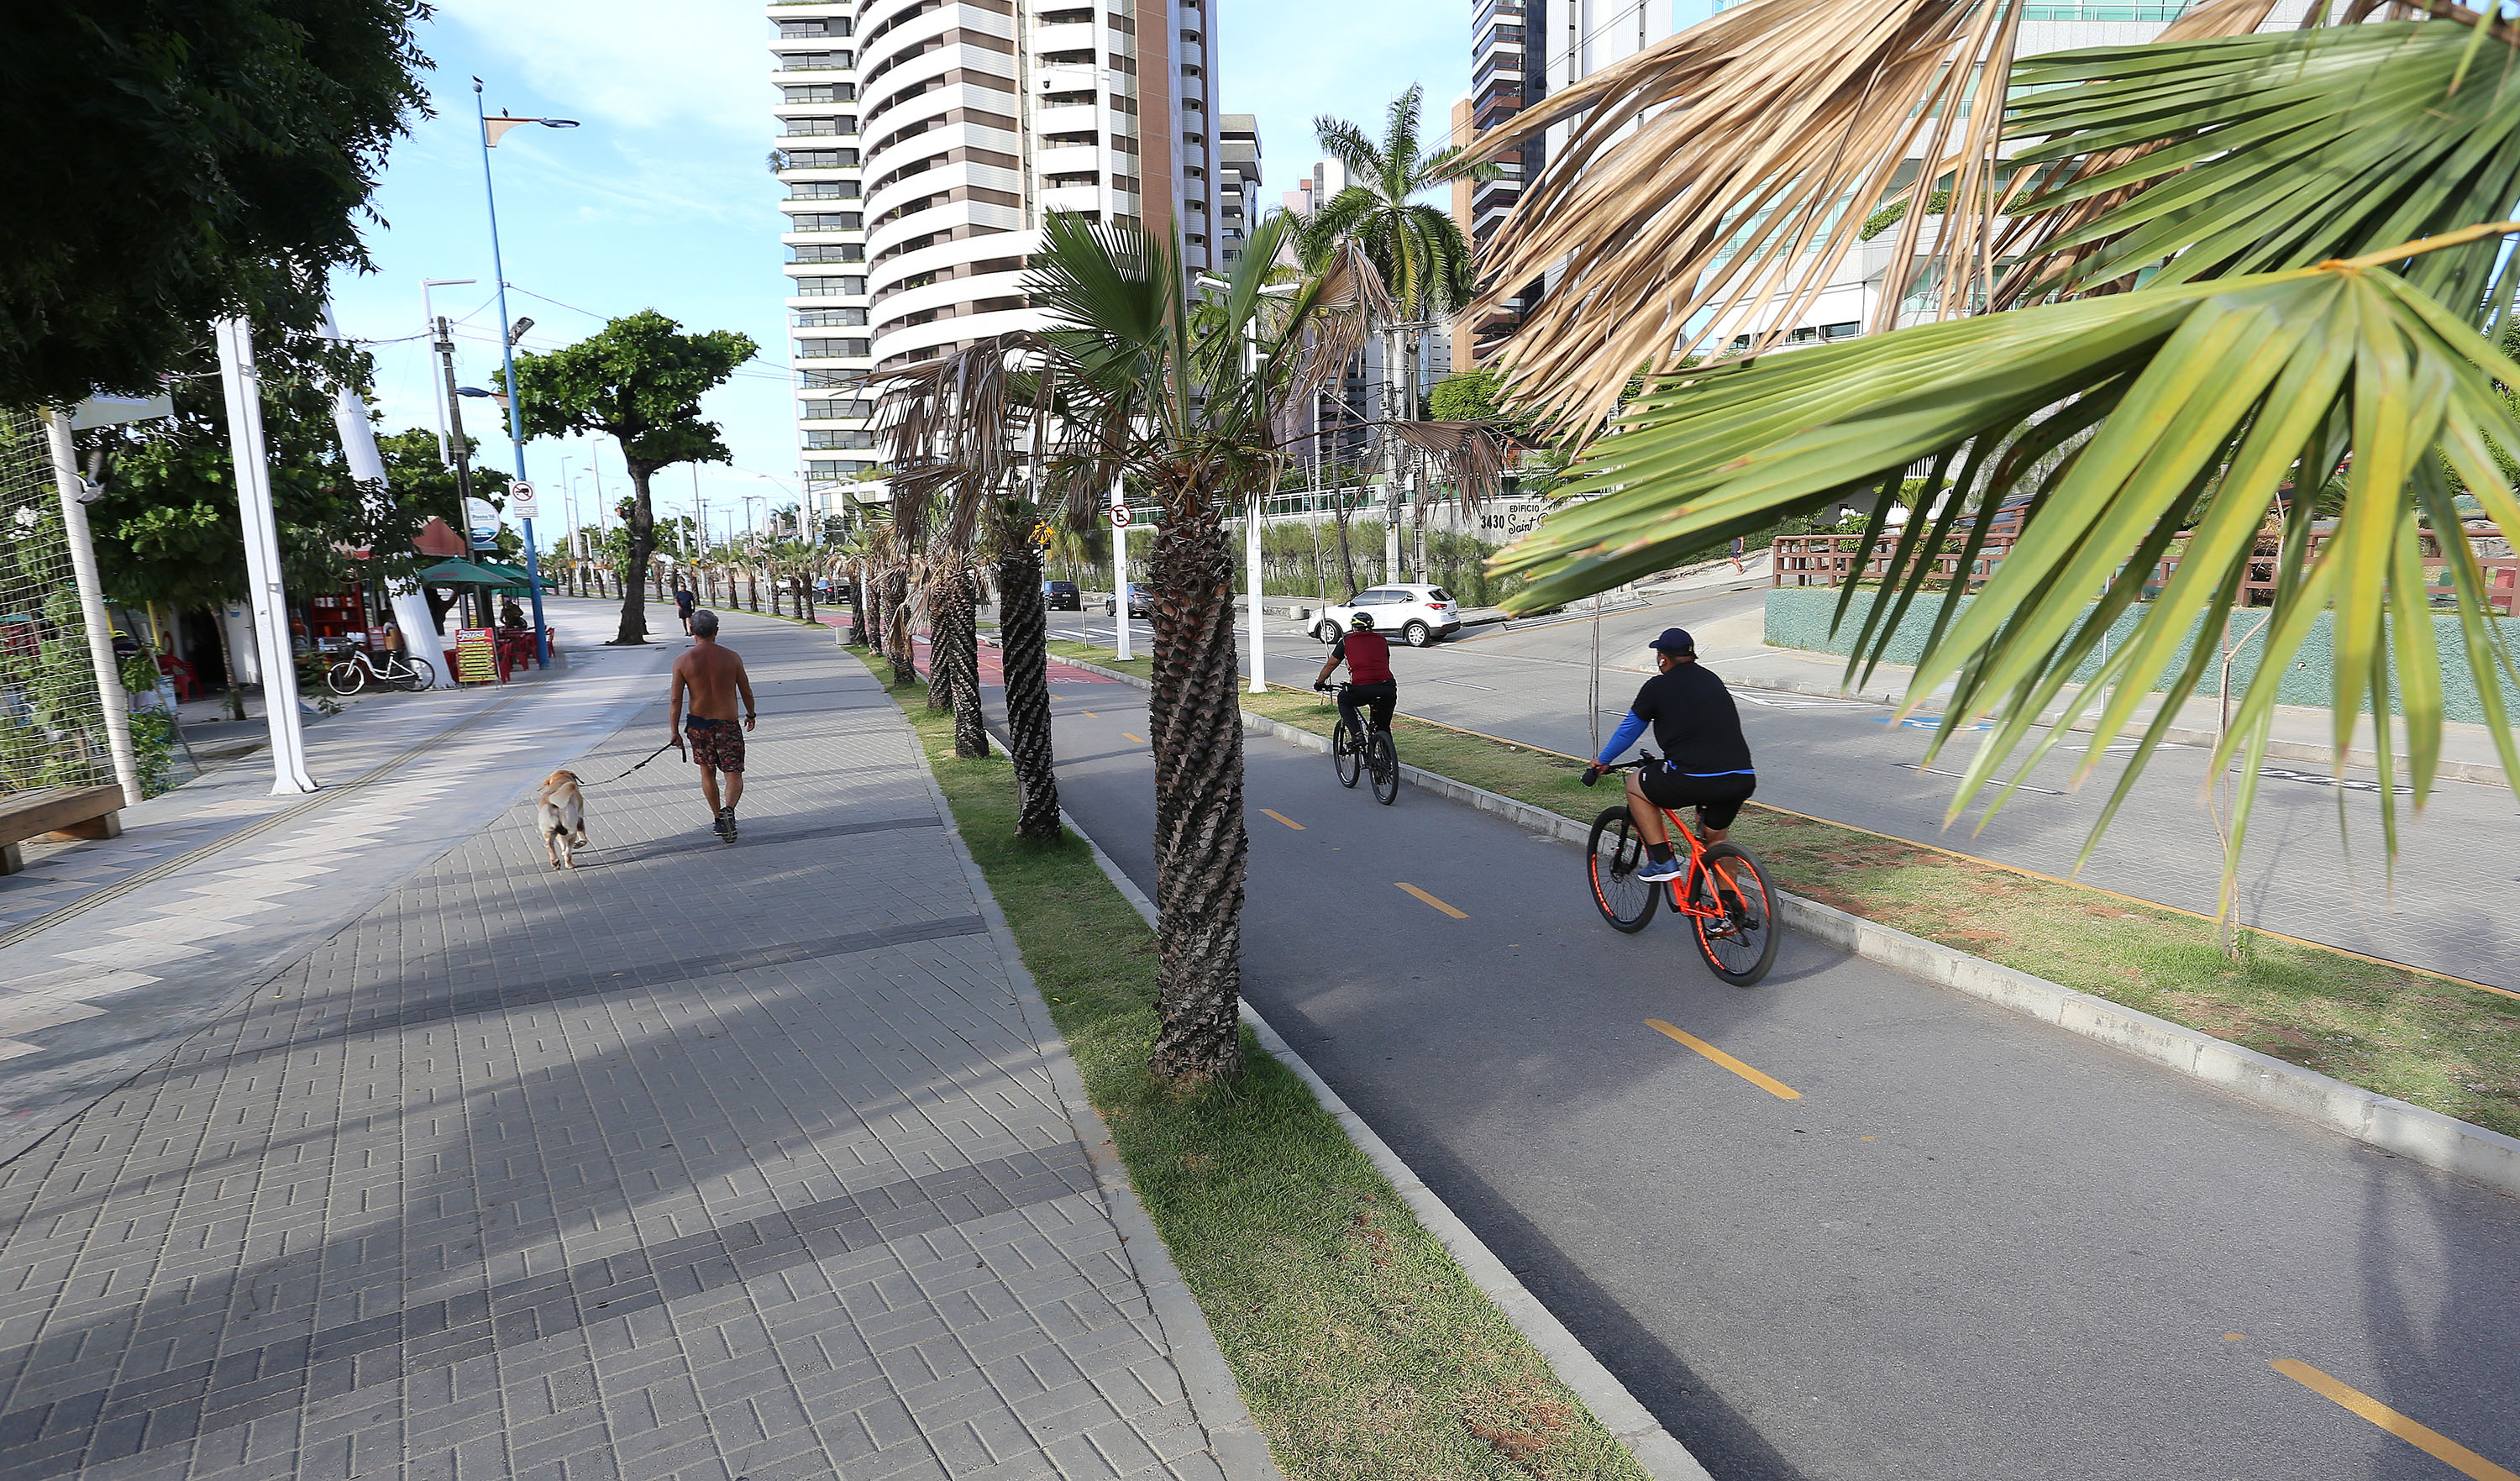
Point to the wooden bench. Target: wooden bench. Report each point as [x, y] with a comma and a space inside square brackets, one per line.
[55, 812]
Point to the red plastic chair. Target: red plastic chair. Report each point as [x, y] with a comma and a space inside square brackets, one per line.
[188, 685]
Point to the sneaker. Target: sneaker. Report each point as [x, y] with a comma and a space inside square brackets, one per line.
[1668, 869]
[723, 824]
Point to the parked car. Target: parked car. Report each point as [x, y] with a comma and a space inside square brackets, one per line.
[1417, 614]
[1061, 596]
[832, 589]
[1136, 602]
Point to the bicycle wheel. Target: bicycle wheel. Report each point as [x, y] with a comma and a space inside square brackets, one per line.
[1611, 864]
[1383, 760]
[423, 677]
[1740, 944]
[1346, 752]
[345, 677]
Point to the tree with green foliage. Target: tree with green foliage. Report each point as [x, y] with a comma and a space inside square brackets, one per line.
[423, 485]
[639, 381]
[168, 165]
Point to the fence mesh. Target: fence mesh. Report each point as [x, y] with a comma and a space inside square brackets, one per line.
[52, 719]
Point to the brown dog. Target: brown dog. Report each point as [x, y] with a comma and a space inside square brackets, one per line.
[560, 813]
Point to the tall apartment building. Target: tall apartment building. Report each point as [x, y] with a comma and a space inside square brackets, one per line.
[921, 142]
[1576, 38]
[1237, 184]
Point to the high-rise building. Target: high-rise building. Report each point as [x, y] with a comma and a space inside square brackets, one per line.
[1508, 72]
[922, 143]
[1237, 184]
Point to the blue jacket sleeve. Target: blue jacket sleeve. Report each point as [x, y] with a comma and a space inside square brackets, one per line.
[1626, 735]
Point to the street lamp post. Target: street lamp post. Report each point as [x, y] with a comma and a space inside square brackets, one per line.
[429, 326]
[507, 352]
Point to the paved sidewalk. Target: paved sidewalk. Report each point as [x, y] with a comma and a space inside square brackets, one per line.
[695, 1161]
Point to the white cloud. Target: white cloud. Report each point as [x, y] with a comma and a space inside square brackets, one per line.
[634, 62]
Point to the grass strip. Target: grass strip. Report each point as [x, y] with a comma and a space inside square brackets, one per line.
[2427, 1040]
[1363, 1350]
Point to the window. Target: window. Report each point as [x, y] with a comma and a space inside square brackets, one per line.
[831, 318]
[1066, 18]
[822, 159]
[1086, 177]
[845, 252]
[835, 468]
[818, 92]
[839, 438]
[822, 350]
[823, 190]
[1192, 106]
[835, 411]
[826, 221]
[834, 380]
[836, 25]
[824, 288]
[813, 62]
[817, 127]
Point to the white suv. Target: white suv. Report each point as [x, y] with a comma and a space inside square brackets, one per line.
[1419, 614]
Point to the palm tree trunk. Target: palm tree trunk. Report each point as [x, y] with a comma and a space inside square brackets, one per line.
[1201, 847]
[1023, 630]
[1347, 557]
[896, 642]
[857, 605]
[954, 657]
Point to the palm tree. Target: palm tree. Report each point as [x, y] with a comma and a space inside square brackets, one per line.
[1415, 245]
[2225, 266]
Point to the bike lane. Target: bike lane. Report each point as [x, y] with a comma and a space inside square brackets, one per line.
[1944, 1241]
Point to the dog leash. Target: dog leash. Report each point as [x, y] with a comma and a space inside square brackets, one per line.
[674, 744]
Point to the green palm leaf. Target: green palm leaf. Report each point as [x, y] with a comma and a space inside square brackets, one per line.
[2256, 153]
[2203, 401]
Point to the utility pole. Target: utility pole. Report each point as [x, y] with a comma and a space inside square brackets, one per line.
[268, 601]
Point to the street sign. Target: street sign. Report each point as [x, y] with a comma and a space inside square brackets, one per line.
[483, 519]
[520, 500]
[1041, 534]
[1119, 517]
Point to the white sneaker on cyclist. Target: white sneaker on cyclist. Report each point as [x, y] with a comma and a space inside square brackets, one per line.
[1657, 872]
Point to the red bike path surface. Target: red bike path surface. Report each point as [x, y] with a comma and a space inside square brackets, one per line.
[1969, 1244]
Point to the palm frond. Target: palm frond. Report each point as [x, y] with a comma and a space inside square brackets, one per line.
[1710, 180]
[2254, 154]
[2196, 407]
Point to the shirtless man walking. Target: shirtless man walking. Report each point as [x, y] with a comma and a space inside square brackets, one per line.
[714, 677]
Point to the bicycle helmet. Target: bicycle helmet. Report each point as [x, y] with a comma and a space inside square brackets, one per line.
[1361, 621]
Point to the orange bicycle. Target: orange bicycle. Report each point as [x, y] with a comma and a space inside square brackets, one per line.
[1723, 892]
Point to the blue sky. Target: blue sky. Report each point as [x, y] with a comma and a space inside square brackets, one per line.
[662, 200]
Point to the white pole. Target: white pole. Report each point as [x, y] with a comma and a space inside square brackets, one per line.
[1120, 568]
[91, 593]
[422, 643]
[1251, 553]
[262, 558]
[1593, 704]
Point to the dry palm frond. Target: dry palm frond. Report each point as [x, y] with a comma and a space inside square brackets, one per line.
[1716, 175]
[1468, 455]
[1339, 311]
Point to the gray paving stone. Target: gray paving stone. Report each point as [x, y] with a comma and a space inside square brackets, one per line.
[695, 1161]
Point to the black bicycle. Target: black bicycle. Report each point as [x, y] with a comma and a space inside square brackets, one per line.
[1723, 891]
[358, 669]
[1372, 754]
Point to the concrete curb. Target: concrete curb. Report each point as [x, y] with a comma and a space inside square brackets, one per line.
[1215, 1399]
[1629, 1423]
[2392, 1125]
[2289, 750]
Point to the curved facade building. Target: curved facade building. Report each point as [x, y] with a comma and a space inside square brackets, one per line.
[925, 140]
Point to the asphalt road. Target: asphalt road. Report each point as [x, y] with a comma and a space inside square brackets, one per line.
[1973, 1247]
[2444, 907]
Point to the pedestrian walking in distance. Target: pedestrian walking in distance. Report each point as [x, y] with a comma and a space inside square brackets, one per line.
[684, 602]
[712, 676]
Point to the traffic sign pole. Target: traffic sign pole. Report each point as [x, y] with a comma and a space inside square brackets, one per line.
[1120, 568]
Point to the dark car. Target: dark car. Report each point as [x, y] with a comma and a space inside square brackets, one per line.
[1061, 596]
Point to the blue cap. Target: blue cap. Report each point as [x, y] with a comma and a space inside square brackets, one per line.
[1675, 640]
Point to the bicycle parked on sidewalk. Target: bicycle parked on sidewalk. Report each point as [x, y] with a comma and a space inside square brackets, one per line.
[1723, 891]
[359, 668]
[1370, 752]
